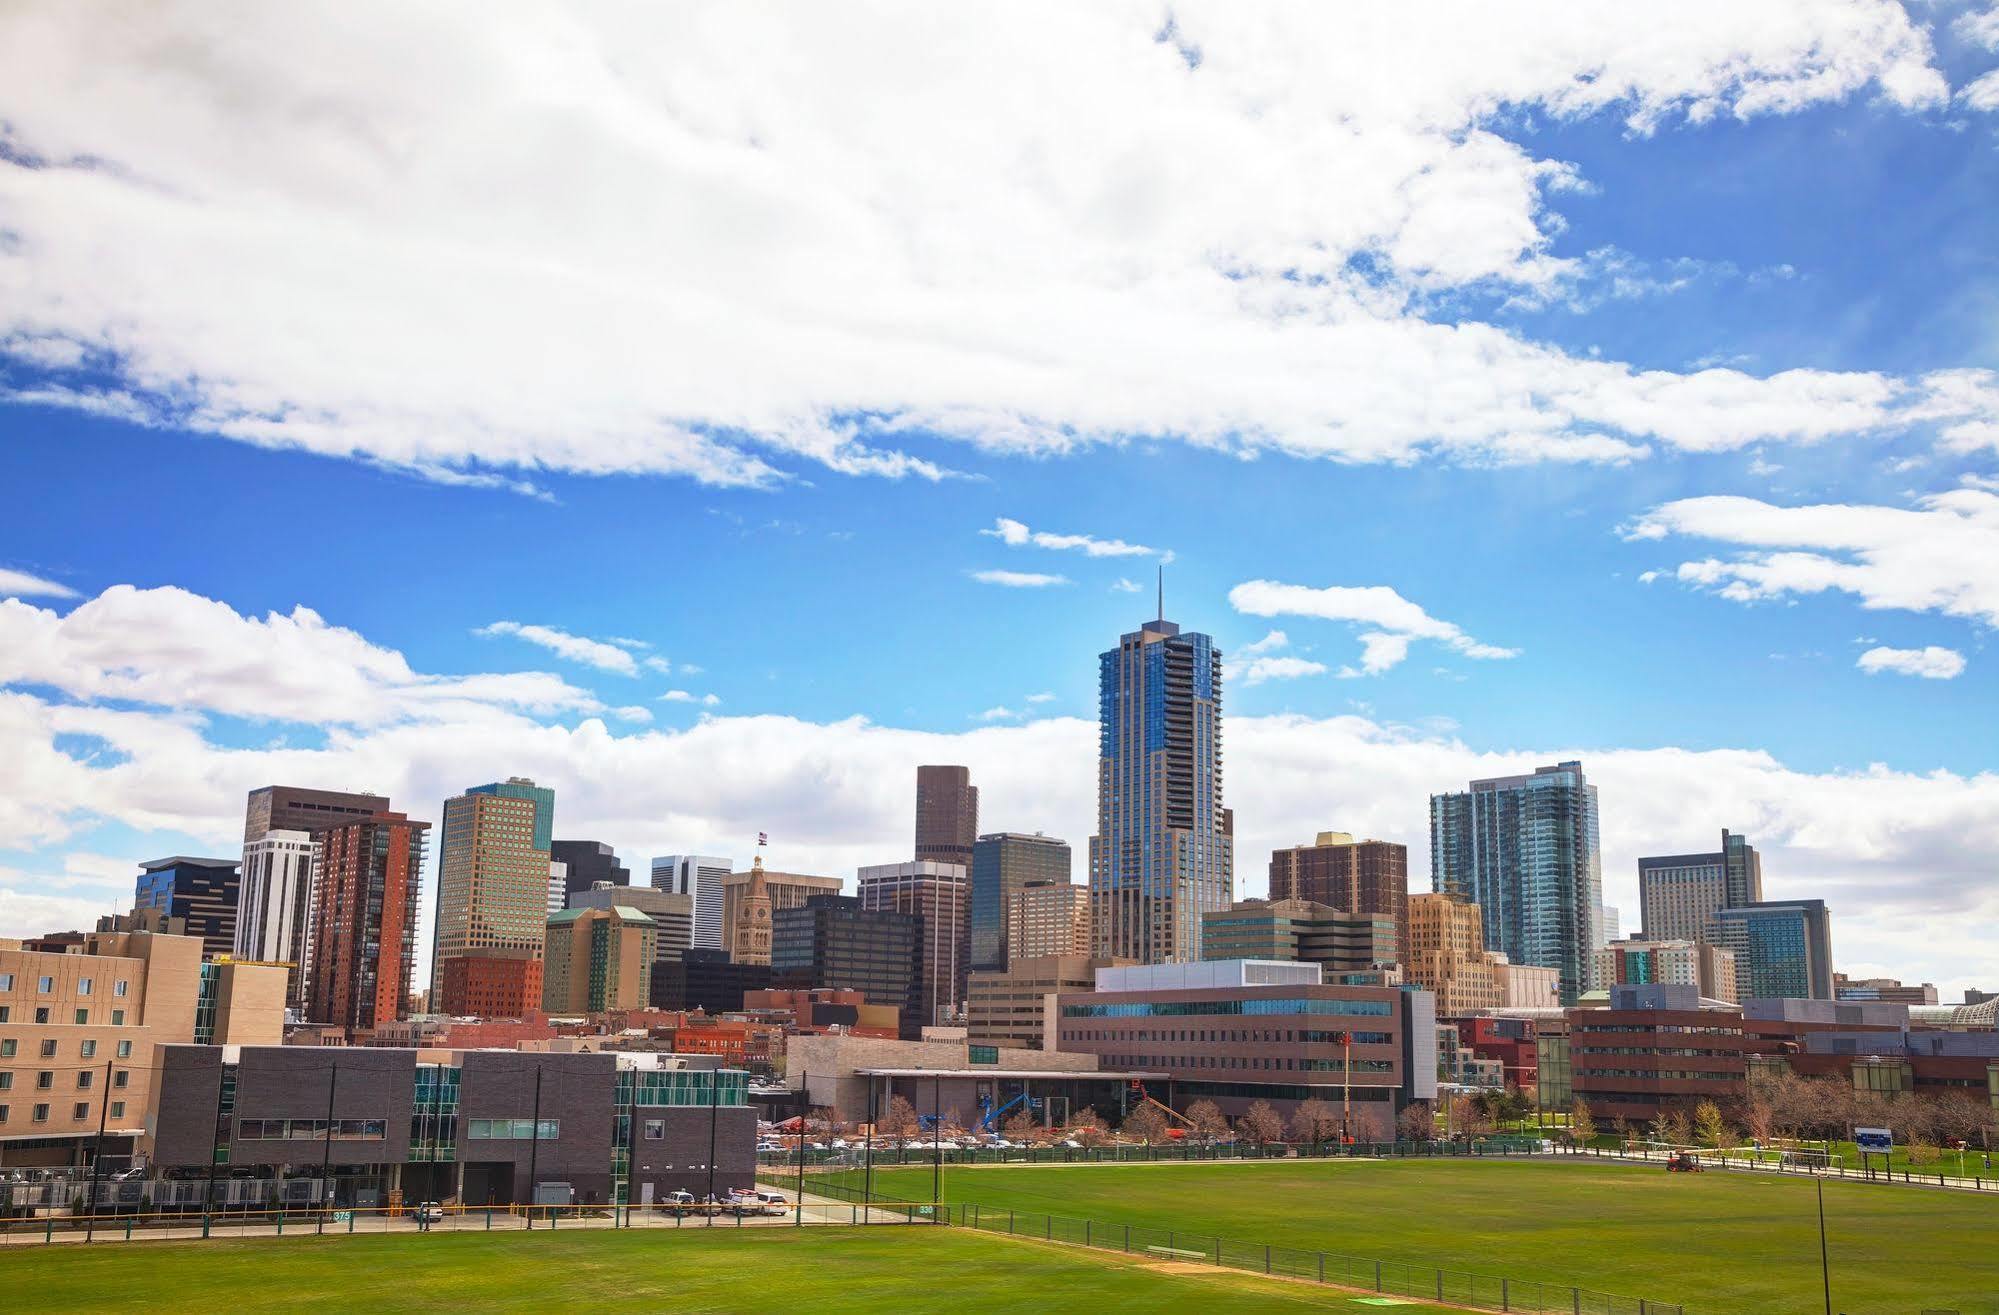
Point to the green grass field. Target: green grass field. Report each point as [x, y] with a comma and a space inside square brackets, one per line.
[766, 1271]
[1715, 1242]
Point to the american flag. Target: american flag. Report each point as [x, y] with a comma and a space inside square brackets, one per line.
[763, 837]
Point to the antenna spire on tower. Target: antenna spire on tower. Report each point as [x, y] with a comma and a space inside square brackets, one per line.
[1162, 591]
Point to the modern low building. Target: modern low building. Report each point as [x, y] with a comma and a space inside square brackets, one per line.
[1239, 1031]
[1882, 988]
[248, 1126]
[79, 1030]
[202, 892]
[1655, 1050]
[1511, 1042]
[1526, 986]
[1300, 930]
[856, 1076]
[1017, 1007]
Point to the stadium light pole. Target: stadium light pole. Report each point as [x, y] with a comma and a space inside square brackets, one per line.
[937, 1137]
[97, 1152]
[326, 1144]
[1825, 1263]
[534, 1142]
[868, 1153]
[804, 1104]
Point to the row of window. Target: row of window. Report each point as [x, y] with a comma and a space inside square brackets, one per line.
[1656, 1075]
[84, 985]
[511, 1129]
[44, 1014]
[85, 1049]
[79, 1112]
[45, 1080]
[311, 1129]
[1268, 1064]
[1213, 1008]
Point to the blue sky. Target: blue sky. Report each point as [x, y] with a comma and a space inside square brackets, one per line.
[764, 433]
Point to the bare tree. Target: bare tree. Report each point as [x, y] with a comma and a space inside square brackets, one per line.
[1209, 1123]
[1022, 1124]
[1145, 1123]
[1086, 1127]
[1417, 1122]
[1314, 1120]
[1468, 1117]
[900, 1122]
[1261, 1124]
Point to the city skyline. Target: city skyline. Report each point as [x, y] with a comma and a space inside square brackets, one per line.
[1507, 391]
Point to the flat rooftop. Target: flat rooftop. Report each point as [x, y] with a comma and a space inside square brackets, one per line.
[1067, 1075]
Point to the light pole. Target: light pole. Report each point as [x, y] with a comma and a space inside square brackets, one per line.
[937, 1137]
[804, 1104]
[326, 1145]
[97, 1154]
[1825, 1264]
[534, 1142]
[868, 1154]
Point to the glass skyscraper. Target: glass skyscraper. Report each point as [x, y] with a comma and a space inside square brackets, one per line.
[1163, 854]
[1002, 863]
[1525, 850]
[1783, 949]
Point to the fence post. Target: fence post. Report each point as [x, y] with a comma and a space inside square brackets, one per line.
[1322, 1267]
[1048, 1228]
[204, 1224]
[1576, 1300]
[1086, 1232]
[1377, 1276]
[1505, 1294]
[49, 1231]
[489, 1218]
[1440, 1286]
[1266, 1255]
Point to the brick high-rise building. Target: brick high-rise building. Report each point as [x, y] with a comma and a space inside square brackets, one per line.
[492, 897]
[1679, 894]
[947, 815]
[295, 808]
[1446, 956]
[1049, 917]
[1366, 876]
[364, 921]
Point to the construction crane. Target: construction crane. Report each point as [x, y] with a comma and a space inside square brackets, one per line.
[1143, 1097]
[993, 1114]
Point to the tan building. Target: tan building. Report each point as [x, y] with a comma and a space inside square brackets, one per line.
[787, 890]
[1446, 956]
[1527, 986]
[1709, 969]
[492, 899]
[1300, 931]
[78, 1028]
[1355, 876]
[748, 929]
[1048, 918]
[1017, 1007]
[597, 959]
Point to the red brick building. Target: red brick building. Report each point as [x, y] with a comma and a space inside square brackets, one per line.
[362, 942]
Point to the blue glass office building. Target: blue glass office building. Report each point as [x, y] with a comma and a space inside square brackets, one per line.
[1164, 850]
[1525, 850]
[1783, 949]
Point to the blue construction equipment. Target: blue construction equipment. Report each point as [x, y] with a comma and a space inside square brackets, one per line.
[994, 1115]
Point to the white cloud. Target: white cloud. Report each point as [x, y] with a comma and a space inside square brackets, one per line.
[633, 713]
[1000, 713]
[1395, 619]
[1043, 697]
[1270, 643]
[1931, 662]
[1124, 586]
[663, 667]
[1019, 579]
[174, 649]
[1982, 93]
[1942, 556]
[1257, 670]
[19, 584]
[575, 648]
[1015, 535]
[209, 240]
[685, 696]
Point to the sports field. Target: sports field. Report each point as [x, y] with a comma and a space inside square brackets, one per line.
[1715, 1242]
[826, 1271]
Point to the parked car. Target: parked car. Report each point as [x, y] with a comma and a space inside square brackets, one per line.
[430, 1212]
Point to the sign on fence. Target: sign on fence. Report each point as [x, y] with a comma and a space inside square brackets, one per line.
[1879, 1140]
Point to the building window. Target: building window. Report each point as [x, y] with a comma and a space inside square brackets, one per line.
[117, 1018]
[83, 985]
[88, 1049]
[3, 1113]
[7, 1048]
[41, 1114]
[6, 1013]
[82, 1017]
[124, 1050]
[48, 1050]
[83, 1077]
[117, 1109]
[511, 1129]
[6, 1081]
[44, 1080]
[655, 1129]
[6, 981]
[41, 1013]
[121, 1077]
[48, 984]
[81, 1111]
[120, 987]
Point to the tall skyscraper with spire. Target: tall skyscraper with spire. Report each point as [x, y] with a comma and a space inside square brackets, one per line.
[1164, 850]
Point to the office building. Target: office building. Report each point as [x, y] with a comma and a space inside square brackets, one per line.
[294, 808]
[1679, 894]
[1002, 863]
[1049, 917]
[672, 915]
[593, 960]
[1525, 850]
[1783, 948]
[558, 886]
[706, 980]
[947, 815]
[78, 1032]
[274, 905]
[1883, 988]
[1707, 968]
[785, 890]
[492, 899]
[833, 940]
[1366, 876]
[1524, 986]
[480, 1127]
[364, 922]
[587, 862]
[1609, 925]
[749, 919]
[1655, 1050]
[1017, 1007]
[1236, 1031]
[699, 876]
[936, 894]
[1299, 930]
[202, 892]
[1164, 851]
[1446, 956]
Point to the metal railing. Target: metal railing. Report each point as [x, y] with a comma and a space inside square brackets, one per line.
[921, 1152]
[1389, 1278]
[309, 1221]
[1713, 1159]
